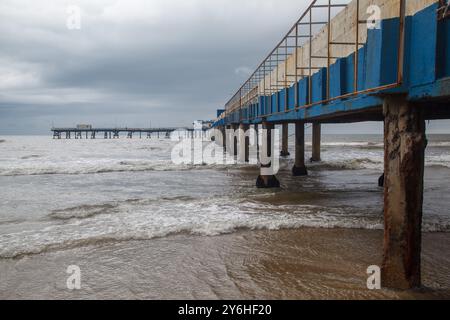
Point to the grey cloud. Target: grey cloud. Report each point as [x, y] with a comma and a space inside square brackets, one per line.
[168, 62]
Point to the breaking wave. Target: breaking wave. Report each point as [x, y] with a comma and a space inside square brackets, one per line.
[352, 164]
[87, 168]
[146, 219]
[375, 163]
[84, 211]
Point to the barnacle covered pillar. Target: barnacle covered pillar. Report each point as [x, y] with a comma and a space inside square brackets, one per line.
[404, 153]
[299, 168]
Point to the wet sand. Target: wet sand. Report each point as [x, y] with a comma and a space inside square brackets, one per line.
[306, 263]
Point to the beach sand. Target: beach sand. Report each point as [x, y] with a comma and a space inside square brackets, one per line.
[306, 263]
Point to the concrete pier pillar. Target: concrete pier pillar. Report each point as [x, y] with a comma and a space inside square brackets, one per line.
[284, 140]
[223, 138]
[316, 135]
[234, 127]
[244, 143]
[265, 180]
[299, 168]
[404, 153]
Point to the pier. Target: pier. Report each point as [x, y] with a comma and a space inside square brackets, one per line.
[114, 133]
[340, 63]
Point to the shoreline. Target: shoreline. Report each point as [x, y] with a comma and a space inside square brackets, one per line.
[304, 263]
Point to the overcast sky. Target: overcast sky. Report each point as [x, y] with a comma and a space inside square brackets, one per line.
[133, 62]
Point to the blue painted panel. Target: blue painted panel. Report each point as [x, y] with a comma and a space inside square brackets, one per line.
[389, 51]
[362, 68]
[267, 105]
[282, 100]
[373, 56]
[261, 105]
[319, 85]
[291, 97]
[423, 46]
[350, 73]
[443, 51]
[337, 78]
[274, 103]
[303, 91]
[349, 67]
[381, 55]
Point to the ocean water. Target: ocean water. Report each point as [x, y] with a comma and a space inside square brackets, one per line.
[100, 200]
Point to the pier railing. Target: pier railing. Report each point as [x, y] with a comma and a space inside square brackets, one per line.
[329, 30]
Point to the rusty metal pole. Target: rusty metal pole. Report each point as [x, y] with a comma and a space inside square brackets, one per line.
[404, 154]
[299, 168]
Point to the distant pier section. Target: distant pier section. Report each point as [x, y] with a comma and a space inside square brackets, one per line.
[84, 131]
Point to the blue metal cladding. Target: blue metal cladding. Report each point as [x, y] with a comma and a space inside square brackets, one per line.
[381, 54]
[262, 103]
[291, 98]
[349, 67]
[267, 105]
[443, 51]
[422, 60]
[362, 68]
[337, 78]
[282, 100]
[387, 71]
[319, 85]
[273, 103]
[350, 73]
[303, 91]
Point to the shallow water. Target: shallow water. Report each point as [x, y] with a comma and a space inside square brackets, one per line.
[142, 227]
